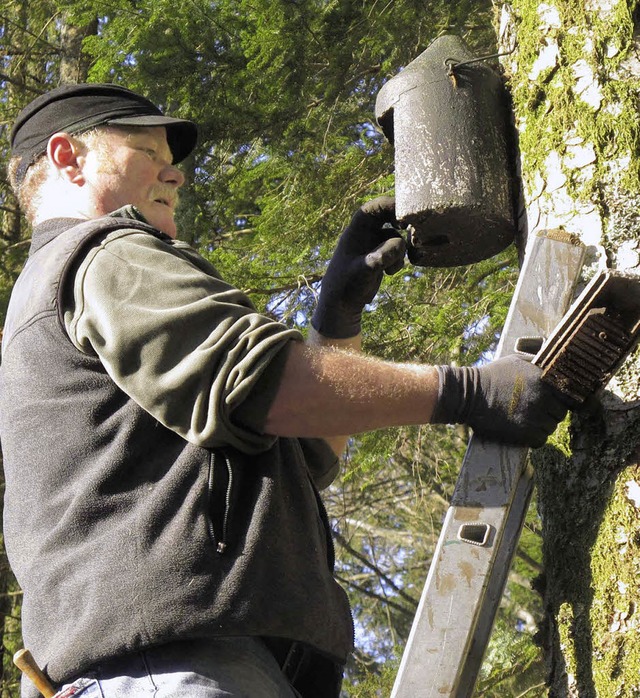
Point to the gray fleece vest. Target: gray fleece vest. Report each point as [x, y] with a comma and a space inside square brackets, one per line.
[122, 534]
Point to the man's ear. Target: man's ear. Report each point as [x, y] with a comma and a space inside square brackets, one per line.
[64, 153]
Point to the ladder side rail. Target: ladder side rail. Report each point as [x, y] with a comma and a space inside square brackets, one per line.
[454, 606]
[496, 584]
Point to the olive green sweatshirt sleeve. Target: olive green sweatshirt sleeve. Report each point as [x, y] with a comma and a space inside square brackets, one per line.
[185, 345]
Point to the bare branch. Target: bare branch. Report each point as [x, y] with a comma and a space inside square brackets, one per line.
[409, 612]
[367, 563]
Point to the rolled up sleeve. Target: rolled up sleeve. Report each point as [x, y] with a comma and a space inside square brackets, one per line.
[186, 346]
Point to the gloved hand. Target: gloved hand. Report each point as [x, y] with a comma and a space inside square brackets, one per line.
[502, 401]
[365, 250]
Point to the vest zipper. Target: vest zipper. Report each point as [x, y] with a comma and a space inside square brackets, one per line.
[222, 544]
[220, 537]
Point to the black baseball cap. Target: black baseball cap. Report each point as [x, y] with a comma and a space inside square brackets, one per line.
[77, 108]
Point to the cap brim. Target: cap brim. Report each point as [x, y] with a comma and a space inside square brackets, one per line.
[182, 135]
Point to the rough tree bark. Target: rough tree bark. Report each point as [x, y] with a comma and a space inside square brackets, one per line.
[575, 80]
[74, 64]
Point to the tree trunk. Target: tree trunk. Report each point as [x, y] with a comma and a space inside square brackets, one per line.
[574, 77]
[74, 65]
[16, 79]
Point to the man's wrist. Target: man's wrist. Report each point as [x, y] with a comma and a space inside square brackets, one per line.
[336, 323]
[317, 339]
[457, 387]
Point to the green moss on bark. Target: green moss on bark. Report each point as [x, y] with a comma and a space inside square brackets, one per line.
[581, 476]
[586, 95]
[615, 612]
[549, 106]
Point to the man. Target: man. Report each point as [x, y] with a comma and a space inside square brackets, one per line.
[164, 443]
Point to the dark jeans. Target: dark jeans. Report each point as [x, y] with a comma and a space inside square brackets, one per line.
[229, 667]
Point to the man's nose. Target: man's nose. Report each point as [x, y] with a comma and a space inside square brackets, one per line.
[172, 175]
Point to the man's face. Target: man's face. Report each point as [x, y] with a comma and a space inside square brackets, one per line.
[133, 167]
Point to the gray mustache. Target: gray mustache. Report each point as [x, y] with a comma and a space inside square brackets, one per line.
[165, 192]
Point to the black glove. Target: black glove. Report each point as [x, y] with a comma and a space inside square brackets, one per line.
[365, 250]
[503, 401]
